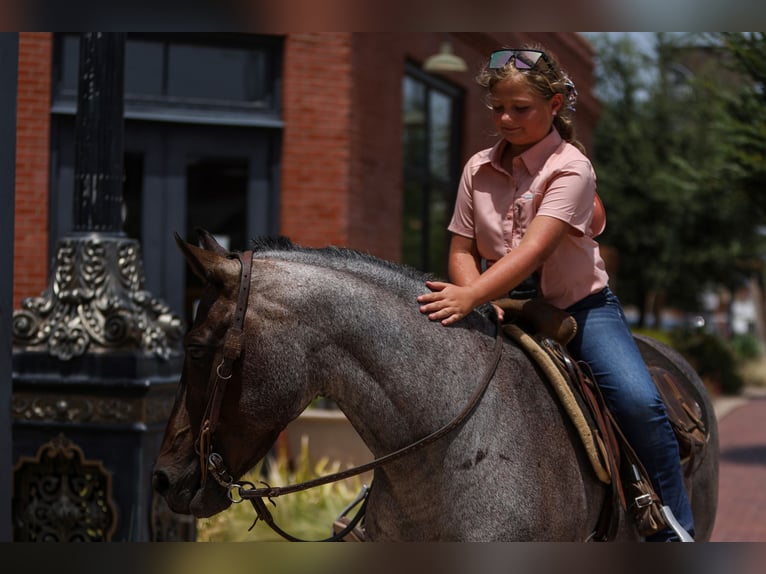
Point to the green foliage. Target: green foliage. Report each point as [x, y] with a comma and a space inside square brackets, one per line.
[307, 514]
[745, 161]
[678, 166]
[746, 347]
[712, 357]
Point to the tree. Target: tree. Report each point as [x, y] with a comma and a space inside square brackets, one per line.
[678, 225]
[745, 130]
[746, 127]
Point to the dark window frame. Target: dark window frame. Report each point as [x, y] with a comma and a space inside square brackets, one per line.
[420, 175]
[219, 111]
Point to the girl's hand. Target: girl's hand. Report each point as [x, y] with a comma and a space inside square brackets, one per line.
[447, 303]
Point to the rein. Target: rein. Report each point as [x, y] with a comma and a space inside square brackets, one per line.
[213, 463]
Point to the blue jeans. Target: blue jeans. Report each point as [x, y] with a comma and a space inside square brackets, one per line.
[605, 343]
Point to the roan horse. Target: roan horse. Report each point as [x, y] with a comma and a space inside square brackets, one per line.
[336, 323]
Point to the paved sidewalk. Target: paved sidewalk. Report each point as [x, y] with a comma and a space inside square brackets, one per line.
[741, 513]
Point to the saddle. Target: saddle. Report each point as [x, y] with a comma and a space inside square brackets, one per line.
[543, 331]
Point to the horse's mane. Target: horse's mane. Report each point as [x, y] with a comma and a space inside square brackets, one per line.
[387, 274]
[339, 258]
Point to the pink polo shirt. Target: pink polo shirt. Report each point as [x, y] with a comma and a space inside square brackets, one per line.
[552, 178]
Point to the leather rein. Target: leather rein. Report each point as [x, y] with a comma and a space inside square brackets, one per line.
[211, 462]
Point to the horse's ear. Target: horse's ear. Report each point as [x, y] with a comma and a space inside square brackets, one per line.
[209, 266]
[208, 241]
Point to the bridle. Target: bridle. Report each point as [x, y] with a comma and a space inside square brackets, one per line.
[230, 352]
[212, 462]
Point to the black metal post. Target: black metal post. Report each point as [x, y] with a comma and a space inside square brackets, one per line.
[96, 358]
[9, 58]
[99, 133]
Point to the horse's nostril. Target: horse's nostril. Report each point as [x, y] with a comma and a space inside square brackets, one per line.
[160, 482]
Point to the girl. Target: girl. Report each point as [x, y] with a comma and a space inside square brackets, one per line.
[525, 208]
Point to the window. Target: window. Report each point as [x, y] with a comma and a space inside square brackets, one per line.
[430, 115]
[210, 78]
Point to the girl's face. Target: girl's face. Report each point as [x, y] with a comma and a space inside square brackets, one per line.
[520, 116]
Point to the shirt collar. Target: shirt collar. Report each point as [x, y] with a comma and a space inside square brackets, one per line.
[534, 158]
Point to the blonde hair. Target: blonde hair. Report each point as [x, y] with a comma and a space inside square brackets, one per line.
[545, 78]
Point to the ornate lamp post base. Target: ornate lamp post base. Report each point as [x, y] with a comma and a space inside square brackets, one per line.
[96, 364]
[96, 302]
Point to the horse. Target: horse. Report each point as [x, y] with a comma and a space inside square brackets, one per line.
[340, 324]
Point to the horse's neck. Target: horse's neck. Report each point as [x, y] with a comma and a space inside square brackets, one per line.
[395, 374]
[402, 378]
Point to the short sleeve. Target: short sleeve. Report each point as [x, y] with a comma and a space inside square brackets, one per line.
[570, 194]
[462, 222]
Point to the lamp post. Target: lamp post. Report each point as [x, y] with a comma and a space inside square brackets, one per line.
[99, 134]
[9, 56]
[96, 358]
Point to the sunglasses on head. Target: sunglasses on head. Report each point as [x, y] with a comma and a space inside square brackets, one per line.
[522, 59]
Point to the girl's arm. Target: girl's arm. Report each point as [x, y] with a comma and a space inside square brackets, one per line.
[450, 302]
[464, 260]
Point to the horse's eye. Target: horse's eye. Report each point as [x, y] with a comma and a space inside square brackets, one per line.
[197, 353]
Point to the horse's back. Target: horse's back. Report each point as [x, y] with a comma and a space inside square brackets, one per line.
[703, 483]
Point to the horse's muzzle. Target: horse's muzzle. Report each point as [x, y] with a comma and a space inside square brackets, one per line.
[185, 495]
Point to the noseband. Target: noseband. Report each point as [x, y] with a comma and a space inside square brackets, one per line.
[213, 463]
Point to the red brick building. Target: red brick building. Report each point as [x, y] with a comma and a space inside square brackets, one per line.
[328, 138]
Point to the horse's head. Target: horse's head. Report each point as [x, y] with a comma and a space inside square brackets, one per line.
[247, 414]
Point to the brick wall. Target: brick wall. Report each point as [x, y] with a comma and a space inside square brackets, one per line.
[32, 166]
[375, 215]
[316, 144]
[341, 149]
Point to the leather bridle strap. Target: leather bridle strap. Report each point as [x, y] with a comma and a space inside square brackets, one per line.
[230, 352]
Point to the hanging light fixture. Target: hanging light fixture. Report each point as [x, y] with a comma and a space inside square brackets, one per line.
[445, 60]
